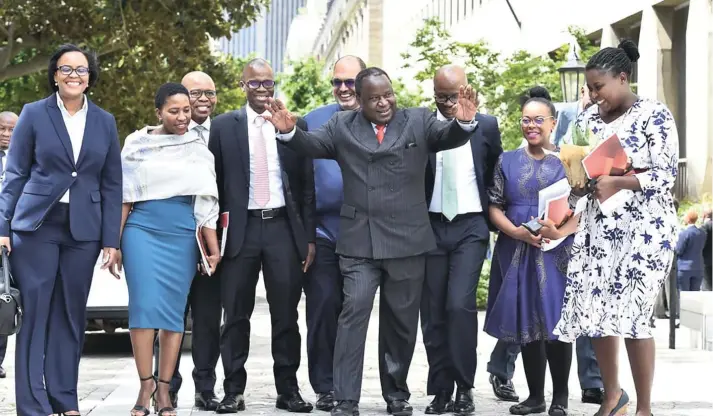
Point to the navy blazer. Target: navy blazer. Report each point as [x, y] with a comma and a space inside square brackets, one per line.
[40, 169]
[486, 145]
[689, 249]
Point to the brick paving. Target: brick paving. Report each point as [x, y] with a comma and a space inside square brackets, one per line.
[108, 382]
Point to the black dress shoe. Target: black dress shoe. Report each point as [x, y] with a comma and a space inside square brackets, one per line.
[293, 402]
[346, 408]
[207, 400]
[173, 396]
[399, 408]
[232, 403]
[504, 389]
[3, 374]
[593, 396]
[464, 402]
[325, 401]
[440, 404]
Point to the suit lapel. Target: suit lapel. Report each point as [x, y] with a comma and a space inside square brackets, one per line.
[88, 130]
[243, 141]
[58, 123]
[394, 130]
[364, 132]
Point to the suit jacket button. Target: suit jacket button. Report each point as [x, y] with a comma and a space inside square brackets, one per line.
[74, 174]
[391, 163]
[391, 189]
[393, 216]
[371, 188]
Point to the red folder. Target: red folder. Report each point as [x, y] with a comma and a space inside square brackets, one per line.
[608, 158]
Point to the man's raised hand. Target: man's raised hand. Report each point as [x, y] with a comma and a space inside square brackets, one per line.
[467, 104]
[279, 116]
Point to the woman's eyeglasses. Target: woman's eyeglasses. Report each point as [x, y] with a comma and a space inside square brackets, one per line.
[349, 83]
[67, 70]
[196, 94]
[537, 120]
[254, 84]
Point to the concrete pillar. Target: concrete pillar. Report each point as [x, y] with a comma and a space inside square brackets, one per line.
[656, 75]
[610, 38]
[699, 96]
[376, 32]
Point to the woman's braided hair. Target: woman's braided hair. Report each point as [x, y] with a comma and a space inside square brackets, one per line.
[615, 60]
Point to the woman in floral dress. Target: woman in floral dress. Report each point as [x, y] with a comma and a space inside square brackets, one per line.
[620, 261]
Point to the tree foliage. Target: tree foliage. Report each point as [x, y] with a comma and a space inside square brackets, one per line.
[500, 80]
[306, 85]
[140, 45]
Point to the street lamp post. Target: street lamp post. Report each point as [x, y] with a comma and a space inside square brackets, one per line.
[572, 74]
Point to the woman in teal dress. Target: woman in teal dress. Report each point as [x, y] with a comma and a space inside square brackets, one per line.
[170, 191]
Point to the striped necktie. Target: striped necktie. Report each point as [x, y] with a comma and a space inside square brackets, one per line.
[261, 181]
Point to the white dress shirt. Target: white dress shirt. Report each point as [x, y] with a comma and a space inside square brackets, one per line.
[75, 127]
[277, 196]
[467, 186]
[195, 128]
[4, 164]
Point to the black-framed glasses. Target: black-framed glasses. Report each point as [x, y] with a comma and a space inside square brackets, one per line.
[442, 99]
[196, 94]
[254, 84]
[67, 70]
[349, 83]
[526, 121]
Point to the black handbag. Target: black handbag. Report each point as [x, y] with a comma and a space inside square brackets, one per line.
[10, 305]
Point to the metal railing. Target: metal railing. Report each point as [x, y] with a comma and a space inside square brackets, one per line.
[680, 188]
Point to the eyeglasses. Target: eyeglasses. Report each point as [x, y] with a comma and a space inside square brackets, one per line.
[67, 70]
[537, 120]
[442, 99]
[349, 83]
[196, 94]
[254, 84]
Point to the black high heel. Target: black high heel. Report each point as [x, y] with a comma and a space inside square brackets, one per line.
[139, 408]
[163, 410]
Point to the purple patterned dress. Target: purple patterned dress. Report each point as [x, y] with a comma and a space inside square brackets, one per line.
[526, 283]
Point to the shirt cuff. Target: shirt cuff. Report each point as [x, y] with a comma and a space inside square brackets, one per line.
[469, 126]
[285, 137]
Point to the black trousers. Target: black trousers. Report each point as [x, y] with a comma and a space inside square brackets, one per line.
[323, 292]
[449, 315]
[535, 357]
[206, 312]
[3, 348]
[268, 245]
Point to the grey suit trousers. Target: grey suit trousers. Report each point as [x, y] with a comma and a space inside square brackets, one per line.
[401, 282]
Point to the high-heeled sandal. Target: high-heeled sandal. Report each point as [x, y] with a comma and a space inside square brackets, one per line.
[163, 410]
[139, 408]
[622, 406]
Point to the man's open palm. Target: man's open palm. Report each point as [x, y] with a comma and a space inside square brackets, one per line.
[279, 116]
[467, 104]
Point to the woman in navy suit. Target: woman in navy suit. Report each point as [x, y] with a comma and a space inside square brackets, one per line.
[60, 205]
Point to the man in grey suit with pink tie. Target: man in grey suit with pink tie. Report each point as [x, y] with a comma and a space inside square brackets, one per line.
[385, 230]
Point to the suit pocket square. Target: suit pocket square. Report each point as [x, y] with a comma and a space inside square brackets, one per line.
[347, 211]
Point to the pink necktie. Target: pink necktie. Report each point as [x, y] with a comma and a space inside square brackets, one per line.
[261, 191]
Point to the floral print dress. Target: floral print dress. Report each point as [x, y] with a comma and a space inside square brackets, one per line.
[619, 262]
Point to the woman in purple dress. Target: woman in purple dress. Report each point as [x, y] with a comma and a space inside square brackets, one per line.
[527, 283]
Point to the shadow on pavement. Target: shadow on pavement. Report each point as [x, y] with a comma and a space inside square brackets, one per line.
[100, 344]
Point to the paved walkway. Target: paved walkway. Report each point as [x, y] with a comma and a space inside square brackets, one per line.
[108, 381]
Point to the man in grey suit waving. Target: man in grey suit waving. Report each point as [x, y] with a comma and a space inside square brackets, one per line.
[385, 230]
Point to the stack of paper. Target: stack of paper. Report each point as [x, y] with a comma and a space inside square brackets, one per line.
[608, 158]
[553, 204]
